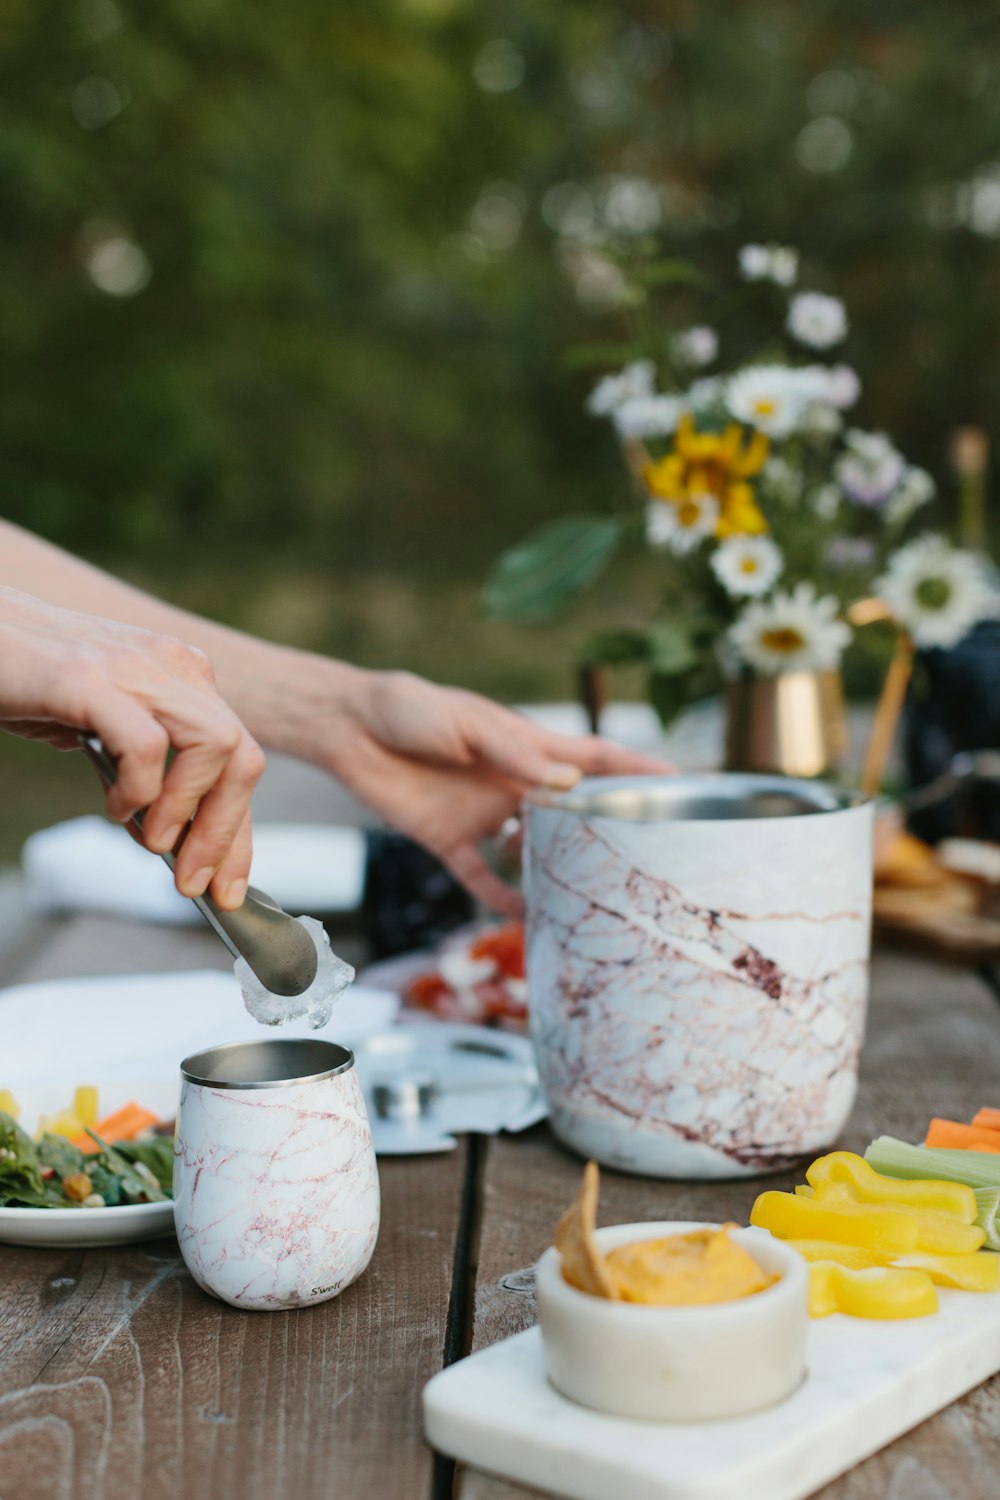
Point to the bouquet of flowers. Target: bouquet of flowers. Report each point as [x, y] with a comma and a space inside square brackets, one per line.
[773, 513]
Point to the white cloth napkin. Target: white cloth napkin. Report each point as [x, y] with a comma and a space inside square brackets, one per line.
[88, 864]
[140, 1026]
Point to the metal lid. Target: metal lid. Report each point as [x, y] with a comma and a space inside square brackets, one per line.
[272, 1063]
[696, 797]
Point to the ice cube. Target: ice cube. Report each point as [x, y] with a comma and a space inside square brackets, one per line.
[314, 1005]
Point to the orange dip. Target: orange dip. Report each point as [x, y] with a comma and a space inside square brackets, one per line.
[686, 1270]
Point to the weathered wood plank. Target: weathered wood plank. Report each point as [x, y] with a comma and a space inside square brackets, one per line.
[119, 1378]
[933, 1047]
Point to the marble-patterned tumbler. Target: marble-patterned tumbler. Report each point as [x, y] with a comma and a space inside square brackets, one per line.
[276, 1195]
[697, 951]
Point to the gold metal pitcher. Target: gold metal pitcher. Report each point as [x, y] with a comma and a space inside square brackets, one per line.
[793, 723]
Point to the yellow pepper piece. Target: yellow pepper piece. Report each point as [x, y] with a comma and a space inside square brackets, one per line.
[925, 1194]
[856, 1257]
[802, 1190]
[85, 1104]
[887, 1231]
[884, 1292]
[937, 1233]
[822, 1294]
[979, 1272]
[63, 1122]
[9, 1104]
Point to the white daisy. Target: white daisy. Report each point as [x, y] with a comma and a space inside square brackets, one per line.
[770, 397]
[870, 468]
[791, 632]
[784, 265]
[703, 394]
[747, 566]
[684, 526]
[636, 379]
[916, 489]
[647, 416]
[777, 263]
[843, 386]
[695, 346]
[937, 592]
[817, 320]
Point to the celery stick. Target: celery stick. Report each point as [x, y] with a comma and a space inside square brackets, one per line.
[977, 1169]
[988, 1205]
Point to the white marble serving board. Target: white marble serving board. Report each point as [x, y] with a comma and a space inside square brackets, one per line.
[867, 1383]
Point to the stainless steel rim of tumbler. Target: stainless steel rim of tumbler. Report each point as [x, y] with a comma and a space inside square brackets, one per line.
[698, 797]
[272, 1063]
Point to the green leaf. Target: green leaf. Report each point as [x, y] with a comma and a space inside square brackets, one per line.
[61, 1155]
[540, 576]
[18, 1158]
[671, 651]
[668, 695]
[615, 648]
[156, 1153]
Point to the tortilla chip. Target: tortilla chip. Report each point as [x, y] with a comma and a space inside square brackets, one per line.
[583, 1265]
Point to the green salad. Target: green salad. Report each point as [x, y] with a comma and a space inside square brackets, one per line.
[53, 1173]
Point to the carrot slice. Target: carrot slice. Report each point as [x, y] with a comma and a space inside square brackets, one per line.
[122, 1125]
[987, 1119]
[951, 1135]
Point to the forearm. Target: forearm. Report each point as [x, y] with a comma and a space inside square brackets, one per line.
[281, 694]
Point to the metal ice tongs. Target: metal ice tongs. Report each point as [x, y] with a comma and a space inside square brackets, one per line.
[277, 948]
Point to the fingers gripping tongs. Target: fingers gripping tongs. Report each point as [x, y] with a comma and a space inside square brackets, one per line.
[276, 947]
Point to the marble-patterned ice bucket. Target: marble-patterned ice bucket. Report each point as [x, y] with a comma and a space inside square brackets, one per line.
[276, 1196]
[697, 952]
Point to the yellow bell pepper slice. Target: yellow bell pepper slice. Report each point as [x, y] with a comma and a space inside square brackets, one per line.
[979, 1272]
[85, 1104]
[9, 1104]
[887, 1231]
[884, 1292]
[822, 1294]
[855, 1257]
[937, 1233]
[869, 1186]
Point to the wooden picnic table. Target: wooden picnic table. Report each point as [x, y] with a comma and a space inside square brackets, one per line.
[120, 1379]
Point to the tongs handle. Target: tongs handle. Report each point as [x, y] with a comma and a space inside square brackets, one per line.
[277, 948]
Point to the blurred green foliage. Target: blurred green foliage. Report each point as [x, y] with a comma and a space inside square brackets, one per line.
[294, 284]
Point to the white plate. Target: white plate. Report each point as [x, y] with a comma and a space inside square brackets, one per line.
[484, 1081]
[76, 1228]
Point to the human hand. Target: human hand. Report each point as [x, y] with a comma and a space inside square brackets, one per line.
[143, 694]
[447, 767]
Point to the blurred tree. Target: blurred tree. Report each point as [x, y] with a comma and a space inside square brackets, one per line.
[296, 280]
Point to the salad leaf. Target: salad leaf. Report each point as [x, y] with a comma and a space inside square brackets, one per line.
[61, 1155]
[19, 1167]
[136, 1187]
[156, 1153]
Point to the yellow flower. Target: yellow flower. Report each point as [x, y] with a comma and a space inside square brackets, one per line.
[717, 464]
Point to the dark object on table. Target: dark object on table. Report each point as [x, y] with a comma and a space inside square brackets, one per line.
[410, 899]
[954, 705]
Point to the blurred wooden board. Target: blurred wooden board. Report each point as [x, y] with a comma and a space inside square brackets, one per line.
[925, 919]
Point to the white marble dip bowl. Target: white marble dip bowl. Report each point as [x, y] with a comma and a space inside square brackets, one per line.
[697, 963]
[676, 1364]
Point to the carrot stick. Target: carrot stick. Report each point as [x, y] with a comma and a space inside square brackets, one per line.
[950, 1135]
[123, 1125]
[987, 1119]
